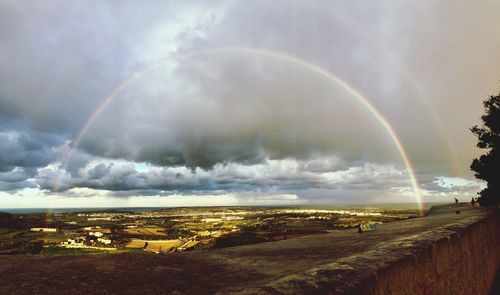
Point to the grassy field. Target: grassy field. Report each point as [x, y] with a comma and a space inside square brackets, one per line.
[134, 243]
[146, 231]
[165, 245]
[153, 245]
[54, 238]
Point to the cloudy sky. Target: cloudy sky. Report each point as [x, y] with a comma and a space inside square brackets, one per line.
[176, 103]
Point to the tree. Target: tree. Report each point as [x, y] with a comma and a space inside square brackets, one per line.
[487, 166]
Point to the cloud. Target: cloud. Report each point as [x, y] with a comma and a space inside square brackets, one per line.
[218, 121]
[285, 175]
[247, 112]
[17, 178]
[28, 149]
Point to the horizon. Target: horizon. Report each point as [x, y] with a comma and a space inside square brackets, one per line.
[325, 206]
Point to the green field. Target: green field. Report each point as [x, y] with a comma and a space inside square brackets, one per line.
[54, 238]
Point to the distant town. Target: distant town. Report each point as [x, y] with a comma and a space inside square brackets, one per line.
[171, 230]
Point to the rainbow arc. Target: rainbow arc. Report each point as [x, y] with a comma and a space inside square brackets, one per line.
[314, 68]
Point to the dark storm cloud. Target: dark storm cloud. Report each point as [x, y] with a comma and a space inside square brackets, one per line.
[223, 119]
[57, 60]
[17, 178]
[15, 186]
[287, 175]
[228, 113]
[28, 149]
[237, 107]
[17, 175]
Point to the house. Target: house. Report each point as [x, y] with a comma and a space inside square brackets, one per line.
[96, 234]
[105, 241]
[76, 242]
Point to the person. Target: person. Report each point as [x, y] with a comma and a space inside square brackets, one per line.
[472, 202]
[456, 201]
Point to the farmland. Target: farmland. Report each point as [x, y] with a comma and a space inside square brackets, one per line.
[176, 229]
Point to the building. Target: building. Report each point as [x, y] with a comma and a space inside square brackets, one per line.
[104, 241]
[96, 234]
[76, 242]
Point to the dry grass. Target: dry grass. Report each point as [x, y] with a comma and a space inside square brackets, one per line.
[164, 245]
[135, 244]
[154, 245]
[146, 231]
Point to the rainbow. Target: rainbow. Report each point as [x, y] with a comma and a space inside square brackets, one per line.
[332, 78]
[452, 154]
[444, 136]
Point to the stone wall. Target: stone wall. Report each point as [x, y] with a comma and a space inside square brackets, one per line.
[463, 262]
[462, 256]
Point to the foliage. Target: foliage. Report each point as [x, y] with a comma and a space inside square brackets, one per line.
[487, 166]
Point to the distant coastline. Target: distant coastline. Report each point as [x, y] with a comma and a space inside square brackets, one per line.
[83, 209]
[143, 209]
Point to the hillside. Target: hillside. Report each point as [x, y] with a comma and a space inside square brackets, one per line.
[423, 255]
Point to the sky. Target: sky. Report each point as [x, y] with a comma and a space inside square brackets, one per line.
[185, 103]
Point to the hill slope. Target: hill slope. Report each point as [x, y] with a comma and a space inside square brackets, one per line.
[416, 254]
